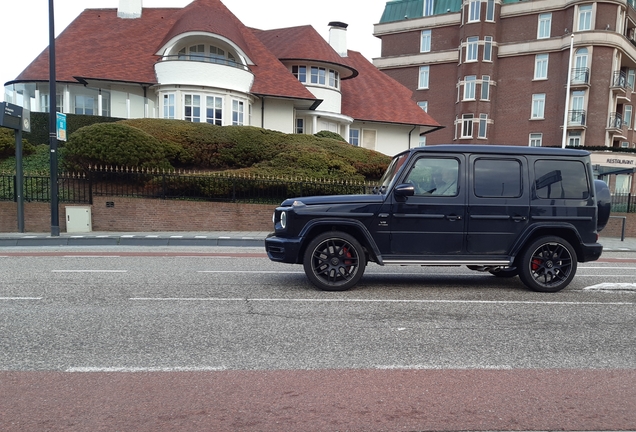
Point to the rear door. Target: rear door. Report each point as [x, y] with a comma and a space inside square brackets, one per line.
[498, 203]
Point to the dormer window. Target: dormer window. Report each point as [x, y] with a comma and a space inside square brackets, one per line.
[207, 53]
[317, 76]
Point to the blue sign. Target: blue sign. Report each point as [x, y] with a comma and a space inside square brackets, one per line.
[61, 126]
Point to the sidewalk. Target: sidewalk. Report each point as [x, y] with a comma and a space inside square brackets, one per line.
[178, 238]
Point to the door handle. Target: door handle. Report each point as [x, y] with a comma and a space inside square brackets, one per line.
[453, 217]
[518, 218]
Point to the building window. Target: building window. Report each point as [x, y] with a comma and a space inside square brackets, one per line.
[585, 17]
[474, 9]
[84, 105]
[541, 66]
[574, 138]
[422, 141]
[168, 106]
[423, 105]
[469, 87]
[485, 87]
[467, 126]
[488, 48]
[424, 77]
[538, 106]
[536, 139]
[472, 47]
[354, 137]
[334, 79]
[483, 124]
[628, 116]
[192, 108]
[545, 24]
[237, 113]
[214, 110]
[429, 7]
[318, 75]
[105, 103]
[425, 44]
[624, 144]
[300, 72]
[490, 10]
[631, 74]
[300, 126]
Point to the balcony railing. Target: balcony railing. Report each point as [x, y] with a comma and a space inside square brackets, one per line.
[619, 80]
[576, 118]
[615, 121]
[204, 59]
[580, 76]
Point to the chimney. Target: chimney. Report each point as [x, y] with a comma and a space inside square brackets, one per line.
[129, 9]
[338, 37]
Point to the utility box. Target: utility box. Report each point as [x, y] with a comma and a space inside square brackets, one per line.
[78, 219]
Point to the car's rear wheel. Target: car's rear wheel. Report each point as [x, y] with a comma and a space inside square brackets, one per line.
[548, 264]
[334, 261]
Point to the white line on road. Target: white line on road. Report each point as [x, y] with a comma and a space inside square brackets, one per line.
[91, 256]
[148, 369]
[89, 271]
[284, 300]
[20, 298]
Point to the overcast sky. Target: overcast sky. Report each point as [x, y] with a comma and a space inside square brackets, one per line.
[25, 23]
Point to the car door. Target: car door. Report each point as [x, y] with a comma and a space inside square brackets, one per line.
[498, 203]
[430, 222]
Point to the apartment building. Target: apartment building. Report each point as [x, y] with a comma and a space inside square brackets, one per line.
[522, 72]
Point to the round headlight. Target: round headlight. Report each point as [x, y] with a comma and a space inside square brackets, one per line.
[283, 220]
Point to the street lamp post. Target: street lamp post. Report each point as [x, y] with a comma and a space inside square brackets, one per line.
[55, 220]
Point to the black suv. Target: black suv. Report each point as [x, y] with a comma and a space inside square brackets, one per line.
[527, 211]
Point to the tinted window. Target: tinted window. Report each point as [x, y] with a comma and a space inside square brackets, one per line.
[561, 179]
[434, 176]
[496, 178]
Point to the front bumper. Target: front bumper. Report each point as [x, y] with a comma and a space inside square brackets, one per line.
[280, 249]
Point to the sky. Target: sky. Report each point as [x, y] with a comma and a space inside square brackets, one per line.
[25, 23]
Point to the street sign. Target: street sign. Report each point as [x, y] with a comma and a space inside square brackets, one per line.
[61, 126]
[10, 116]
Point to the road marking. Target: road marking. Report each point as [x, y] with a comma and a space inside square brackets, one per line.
[284, 300]
[91, 256]
[147, 369]
[89, 271]
[612, 287]
[250, 271]
[20, 298]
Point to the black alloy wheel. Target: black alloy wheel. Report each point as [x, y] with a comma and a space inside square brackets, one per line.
[334, 261]
[548, 264]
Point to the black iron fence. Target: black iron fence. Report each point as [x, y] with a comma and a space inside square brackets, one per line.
[623, 203]
[81, 188]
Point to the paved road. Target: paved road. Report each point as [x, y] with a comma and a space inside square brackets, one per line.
[223, 339]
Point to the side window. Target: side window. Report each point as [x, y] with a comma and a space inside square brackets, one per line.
[561, 180]
[497, 178]
[434, 176]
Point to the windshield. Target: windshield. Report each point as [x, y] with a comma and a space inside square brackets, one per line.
[392, 171]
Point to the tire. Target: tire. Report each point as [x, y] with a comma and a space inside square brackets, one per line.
[548, 264]
[334, 261]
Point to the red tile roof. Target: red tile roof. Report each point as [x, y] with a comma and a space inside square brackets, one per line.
[374, 96]
[99, 45]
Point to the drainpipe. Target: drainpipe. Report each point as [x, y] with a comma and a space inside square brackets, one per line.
[263, 112]
[410, 132]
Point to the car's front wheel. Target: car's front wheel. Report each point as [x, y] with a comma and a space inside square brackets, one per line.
[548, 264]
[334, 261]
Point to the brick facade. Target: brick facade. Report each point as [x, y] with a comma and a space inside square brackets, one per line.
[146, 215]
[132, 214]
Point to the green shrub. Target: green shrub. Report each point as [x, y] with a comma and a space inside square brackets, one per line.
[115, 144]
[328, 134]
[7, 144]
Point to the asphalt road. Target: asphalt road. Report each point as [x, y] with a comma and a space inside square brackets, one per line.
[223, 339]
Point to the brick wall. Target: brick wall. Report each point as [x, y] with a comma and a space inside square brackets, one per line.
[133, 214]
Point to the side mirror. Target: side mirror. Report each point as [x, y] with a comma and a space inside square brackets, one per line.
[404, 190]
